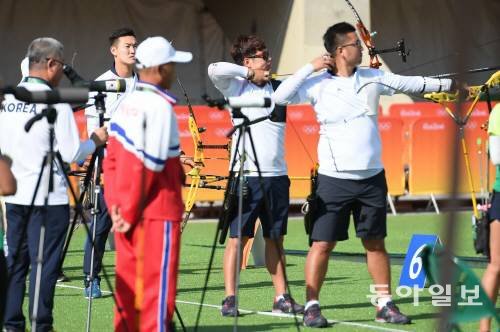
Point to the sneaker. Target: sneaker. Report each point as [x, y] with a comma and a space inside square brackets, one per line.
[390, 314]
[62, 277]
[229, 307]
[314, 318]
[287, 305]
[95, 292]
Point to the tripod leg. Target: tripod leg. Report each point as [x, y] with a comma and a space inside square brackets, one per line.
[38, 275]
[48, 227]
[78, 206]
[241, 171]
[102, 222]
[228, 205]
[469, 174]
[41, 248]
[178, 314]
[95, 212]
[90, 294]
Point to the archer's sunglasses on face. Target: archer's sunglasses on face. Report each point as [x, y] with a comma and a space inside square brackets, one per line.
[265, 56]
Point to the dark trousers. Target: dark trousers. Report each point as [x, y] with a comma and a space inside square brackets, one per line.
[22, 239]
[103, 226]
[3, 284]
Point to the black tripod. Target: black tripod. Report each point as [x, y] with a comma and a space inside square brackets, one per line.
[95, 203]
[229, 205]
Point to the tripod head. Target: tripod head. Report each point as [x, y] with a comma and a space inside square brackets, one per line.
[100, 106]
[50, 113]
[234, 104]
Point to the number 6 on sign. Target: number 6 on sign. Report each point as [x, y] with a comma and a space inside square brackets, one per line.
[413, 274]
[416, 260]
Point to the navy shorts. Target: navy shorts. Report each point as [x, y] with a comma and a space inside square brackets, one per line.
[277, 191]
[494, 210]
[365, 199]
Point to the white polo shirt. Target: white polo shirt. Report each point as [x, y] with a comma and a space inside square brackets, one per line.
[346, 108]
[268, 136]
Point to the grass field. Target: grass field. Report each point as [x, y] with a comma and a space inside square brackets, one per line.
[343, 296]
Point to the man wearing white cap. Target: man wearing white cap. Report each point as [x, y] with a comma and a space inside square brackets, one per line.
[144, 178]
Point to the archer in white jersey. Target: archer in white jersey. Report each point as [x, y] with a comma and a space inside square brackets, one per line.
[250, 77]
[351, 176]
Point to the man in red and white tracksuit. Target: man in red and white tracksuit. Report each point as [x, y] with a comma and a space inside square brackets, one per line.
[144, 178]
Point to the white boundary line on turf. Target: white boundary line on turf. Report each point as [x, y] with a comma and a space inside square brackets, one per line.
[268, 313]
[265, 313]
[76, 287]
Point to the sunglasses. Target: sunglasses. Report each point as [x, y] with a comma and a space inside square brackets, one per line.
[265, 56]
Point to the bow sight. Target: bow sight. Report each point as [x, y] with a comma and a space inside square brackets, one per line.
[400, 48]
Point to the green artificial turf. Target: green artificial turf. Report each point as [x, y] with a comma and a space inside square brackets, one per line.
[343, 296]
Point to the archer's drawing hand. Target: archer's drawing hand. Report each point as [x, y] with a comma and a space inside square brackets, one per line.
[324, 61]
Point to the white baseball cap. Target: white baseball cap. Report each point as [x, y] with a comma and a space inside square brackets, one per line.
[155, 51]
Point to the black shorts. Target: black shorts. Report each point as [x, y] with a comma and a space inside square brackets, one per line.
[494, 210]
[277, 190]
[366, 199]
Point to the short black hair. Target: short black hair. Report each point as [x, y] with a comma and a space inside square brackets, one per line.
[245, 46]
[122, 32]
[333, 36]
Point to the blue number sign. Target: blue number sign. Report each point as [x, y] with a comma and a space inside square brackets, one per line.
[413, 274]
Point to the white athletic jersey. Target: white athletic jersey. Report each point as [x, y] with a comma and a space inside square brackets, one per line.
[268, 136]
[346, 109]
[112, 100]
[27, 149]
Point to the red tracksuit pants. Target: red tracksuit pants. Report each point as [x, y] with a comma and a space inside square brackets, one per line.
[147, 262]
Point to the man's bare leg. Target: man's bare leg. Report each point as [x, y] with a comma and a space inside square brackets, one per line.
[316, 267]
[229, 264]
[276, 264]
[377, 260]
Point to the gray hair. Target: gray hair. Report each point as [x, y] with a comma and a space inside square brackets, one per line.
[43, 48]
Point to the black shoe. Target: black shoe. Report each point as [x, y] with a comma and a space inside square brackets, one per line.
[390, 314]
[314, 318]
[229, 307]
[62, 277]
[287, 305]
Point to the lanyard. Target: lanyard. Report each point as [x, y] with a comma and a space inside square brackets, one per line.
[31, 79]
